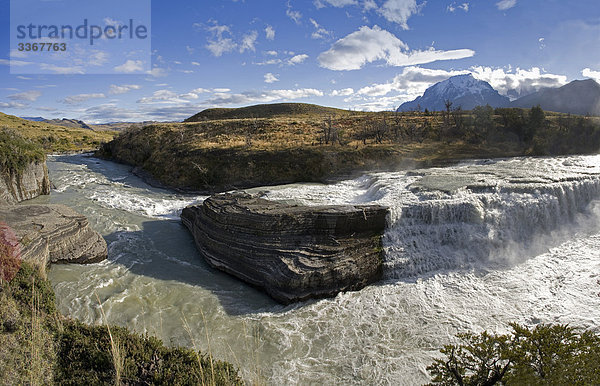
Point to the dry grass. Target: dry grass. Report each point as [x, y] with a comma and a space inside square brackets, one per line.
[56, 138]
[116, 351]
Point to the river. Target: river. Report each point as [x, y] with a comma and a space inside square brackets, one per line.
[470, 247]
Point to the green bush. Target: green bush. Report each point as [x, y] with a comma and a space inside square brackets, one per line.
[544, 355]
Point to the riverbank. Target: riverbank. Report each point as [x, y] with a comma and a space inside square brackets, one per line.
[223, 150]
[38, 345]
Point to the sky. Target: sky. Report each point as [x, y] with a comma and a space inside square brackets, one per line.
[369, 55]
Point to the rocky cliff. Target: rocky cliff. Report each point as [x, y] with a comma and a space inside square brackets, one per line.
[292, 252]
[29, 183]
[53, 234]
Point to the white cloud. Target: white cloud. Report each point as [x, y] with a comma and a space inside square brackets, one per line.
[373, 44]
[13, 62]
[270, 33]
[319, 32]
[369, 5]
[506, 4]
[297, 59]
[13, 105]
[270, 78]
[170, 97]
[195, 64]
[519, 82]
[219, 44]
[343, 92]
[248, 42]
[80, 98]
[130, 66]
[28, 96]
[334, 3]
[454, 6]
[294, 15]
[398, 11]
[269, 62]
[62, 70]
[589, 73]
[222, 99]
[406, 86]
[97, 58]
[122, 89]
[158, 72]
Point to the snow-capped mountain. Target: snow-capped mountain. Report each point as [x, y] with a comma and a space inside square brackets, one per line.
[462, 90]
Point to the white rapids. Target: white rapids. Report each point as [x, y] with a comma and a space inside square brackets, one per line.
[470, 247]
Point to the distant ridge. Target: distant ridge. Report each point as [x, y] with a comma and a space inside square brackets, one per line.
[265, 111]
[579, 97]
[72, 123]
[463, 91]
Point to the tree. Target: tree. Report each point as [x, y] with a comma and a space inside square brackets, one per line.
[546, 354]
[536, 120]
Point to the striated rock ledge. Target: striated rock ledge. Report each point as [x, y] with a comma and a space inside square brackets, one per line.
[33, 181]
[54, 234]
[292, 252]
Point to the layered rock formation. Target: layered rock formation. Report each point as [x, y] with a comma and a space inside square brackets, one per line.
[292, 252]
[30, 183]
[53, 234]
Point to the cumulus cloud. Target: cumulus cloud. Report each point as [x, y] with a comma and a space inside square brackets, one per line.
[503, 5]
[270, 78]
[130, 66]
[122, 89]
[342, 92]
[373, 44]
[589, 73]
[221, 41]
[398, 11]
[270, 33]
[170, 97]
[225, 98]
[519, 82]
[27, 96]
[80, 98]
[297, 59]
[248, 42]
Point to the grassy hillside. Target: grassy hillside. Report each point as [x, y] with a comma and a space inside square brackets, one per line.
[38, 346]
[17, 152]
[266, 111]
[54, 138]
[222, 154]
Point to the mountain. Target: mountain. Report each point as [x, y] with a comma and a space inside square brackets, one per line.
[71, 123]
[578, 97]
[265, 111]
[462, 90]
[34, 119]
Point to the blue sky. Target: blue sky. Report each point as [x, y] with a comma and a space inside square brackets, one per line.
[356, 54]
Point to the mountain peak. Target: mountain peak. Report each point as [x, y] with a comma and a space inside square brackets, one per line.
[462, 90]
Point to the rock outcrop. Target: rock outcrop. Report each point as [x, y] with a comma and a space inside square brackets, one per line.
[33, 181]
[53, 234]
[293, 252]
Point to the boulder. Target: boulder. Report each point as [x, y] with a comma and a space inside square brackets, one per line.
[53, 234]
[293, 252]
